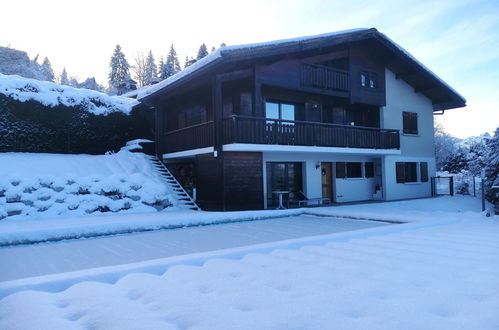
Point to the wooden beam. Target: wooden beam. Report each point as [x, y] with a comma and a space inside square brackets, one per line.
[404, 75]
[424, 88]
[235, 75]
[257, 95]
[217, 115]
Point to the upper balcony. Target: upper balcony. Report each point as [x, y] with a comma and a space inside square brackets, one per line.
[322, 77]
[265, 131]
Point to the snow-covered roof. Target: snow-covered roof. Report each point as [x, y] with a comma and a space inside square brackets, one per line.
[223, 51]
[424, 67]
[51, 95]
[254, 50]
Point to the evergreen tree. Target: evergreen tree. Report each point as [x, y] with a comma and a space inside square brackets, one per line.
[63, 79]
[213, 49]
[492, 169]
[223, 44]
[172, 65]
[119, 75]
[91, 83]
[151, 71]
[202, 52]
[47, 71]
[73, 82]
[187, 62]
[161, 68]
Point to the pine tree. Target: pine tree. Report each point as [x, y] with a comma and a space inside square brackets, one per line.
[161, 68]
[47, 71]
[63, 79]
[151, 71]
[91, 83]
[119, 75]
[213, 49]
[187, 62]
[172, 65]
[223, 44]
[202, 52]
[492, 169]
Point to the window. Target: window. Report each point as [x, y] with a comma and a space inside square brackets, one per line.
[369, 169]
[354, 170]
[348, 170]
[363, 79]
[373, 80]
[407, 172]
[410, 122]
[424, 171]
[369, 79]
[341, 170]
[281, 111]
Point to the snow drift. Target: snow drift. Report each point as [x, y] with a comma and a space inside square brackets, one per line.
[54, 185]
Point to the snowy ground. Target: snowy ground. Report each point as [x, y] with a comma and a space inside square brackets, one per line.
[48, 258]
[35, 186]
[439, 272]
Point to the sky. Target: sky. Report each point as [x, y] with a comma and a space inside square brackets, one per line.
[457, 39]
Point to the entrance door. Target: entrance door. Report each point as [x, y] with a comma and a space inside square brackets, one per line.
[327, 180]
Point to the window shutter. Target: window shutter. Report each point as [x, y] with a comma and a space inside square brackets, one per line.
[400, 172]
[369, 169]
[340, 170]
[424, 171]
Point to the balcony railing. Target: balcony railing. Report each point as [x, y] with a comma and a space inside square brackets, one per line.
[242, 129]
[318, 76]
[255, 130]
[192, 137]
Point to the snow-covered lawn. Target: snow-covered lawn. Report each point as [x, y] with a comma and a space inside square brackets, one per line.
[439, 272]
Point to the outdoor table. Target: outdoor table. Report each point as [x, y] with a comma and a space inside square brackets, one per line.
[280, 193]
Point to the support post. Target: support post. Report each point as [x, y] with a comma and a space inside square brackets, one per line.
[482, 186]
[217, 115]
[451, 186]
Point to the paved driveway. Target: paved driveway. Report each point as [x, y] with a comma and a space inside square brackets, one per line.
[48, 258]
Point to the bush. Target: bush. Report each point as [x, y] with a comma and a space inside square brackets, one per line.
[32, 127]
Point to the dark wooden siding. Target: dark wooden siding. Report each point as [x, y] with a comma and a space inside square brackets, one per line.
[209, 182]
[243, 181]
[361, 62]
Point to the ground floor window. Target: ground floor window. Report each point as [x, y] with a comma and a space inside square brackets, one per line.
[408, 172]
[285, 176]
[354, 170]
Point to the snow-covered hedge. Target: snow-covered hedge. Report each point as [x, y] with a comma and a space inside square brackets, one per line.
[38, 116]
[51, 95]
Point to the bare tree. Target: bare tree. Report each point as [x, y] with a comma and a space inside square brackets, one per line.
[139, 69]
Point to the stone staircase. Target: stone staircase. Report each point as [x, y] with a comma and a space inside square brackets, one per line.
[185, 200]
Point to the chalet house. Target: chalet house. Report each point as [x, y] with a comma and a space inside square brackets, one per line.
[346, 116]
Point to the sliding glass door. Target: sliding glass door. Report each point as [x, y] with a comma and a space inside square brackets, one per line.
[283, 177]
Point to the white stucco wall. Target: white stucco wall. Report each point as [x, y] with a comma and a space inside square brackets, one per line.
[401, 97]
[345, 190]
[394, 190]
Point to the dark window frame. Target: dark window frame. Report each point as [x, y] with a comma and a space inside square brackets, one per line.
[369, 169]
[410, 123]
[423, 170]
[354, 170]
[279, 106]
[407, 172]
[369, 79]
